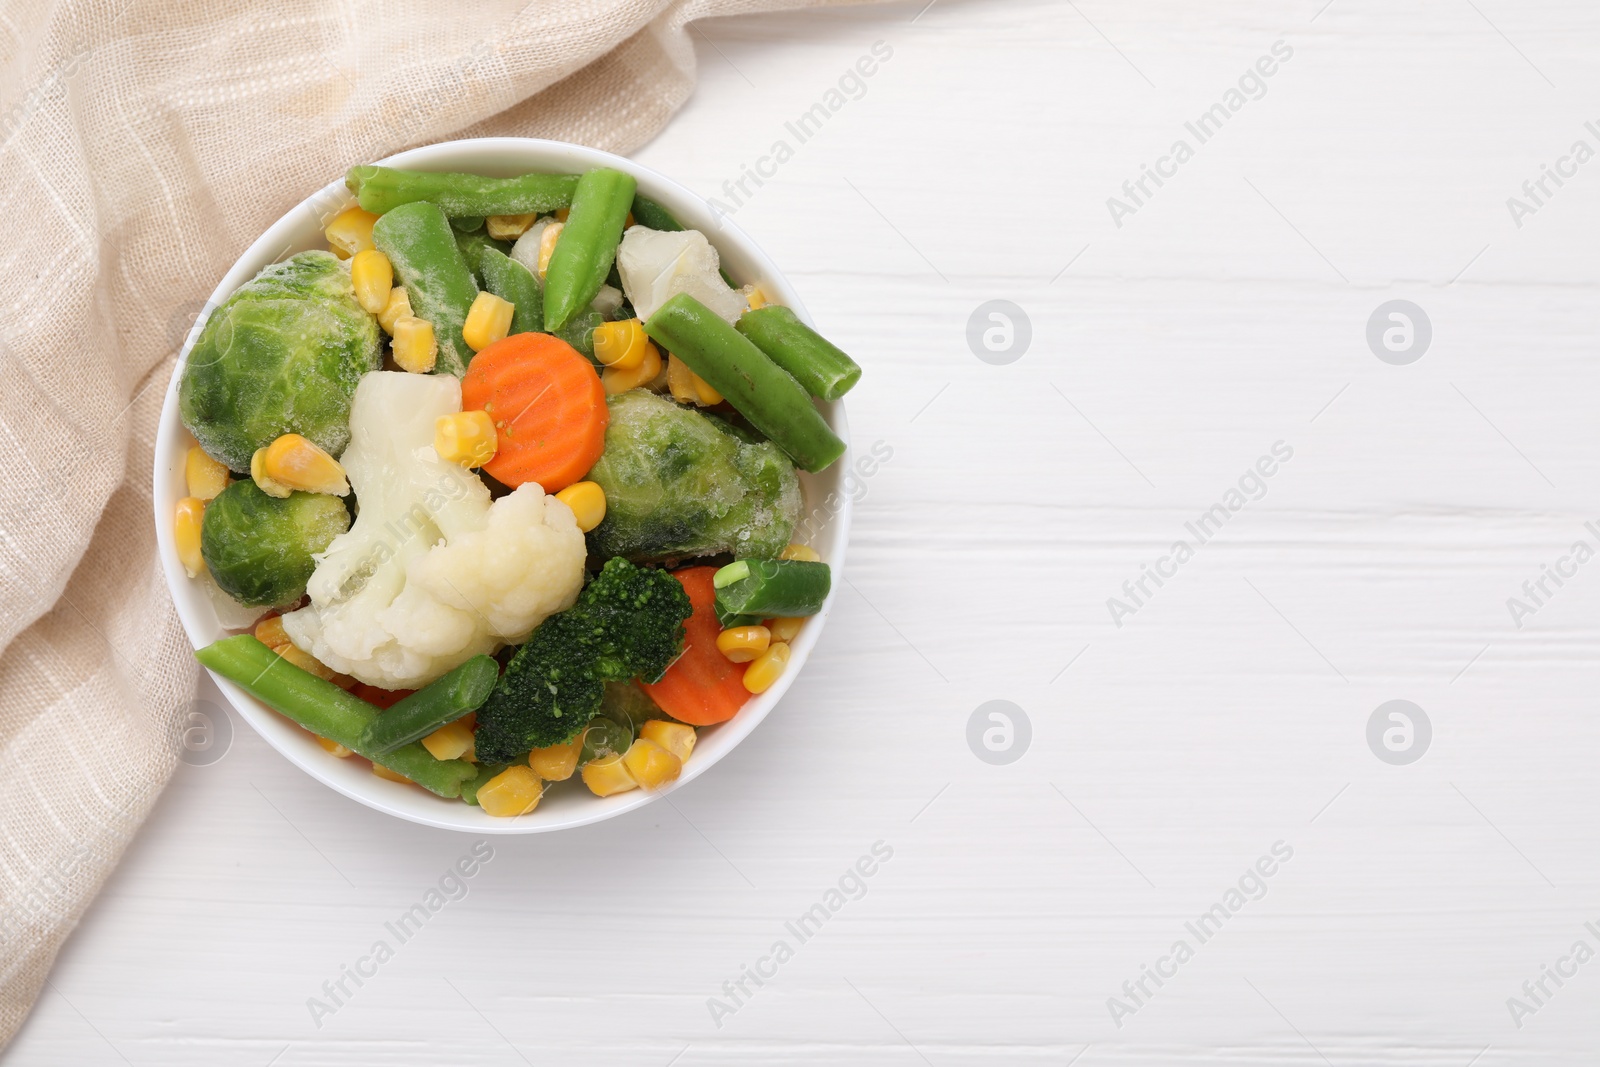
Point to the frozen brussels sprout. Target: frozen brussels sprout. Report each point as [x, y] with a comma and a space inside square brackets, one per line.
[281, 355]
[259, 548]
[680, 483]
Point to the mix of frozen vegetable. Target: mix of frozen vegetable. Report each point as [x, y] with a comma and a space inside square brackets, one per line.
[500, 489]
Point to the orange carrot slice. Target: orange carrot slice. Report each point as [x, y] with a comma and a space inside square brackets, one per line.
[548, 407]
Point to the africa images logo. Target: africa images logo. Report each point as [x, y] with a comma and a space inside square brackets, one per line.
[1252, 85]
[1250, 886]
[1251, 487]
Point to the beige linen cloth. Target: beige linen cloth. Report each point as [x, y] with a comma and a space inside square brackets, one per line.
[143, 145]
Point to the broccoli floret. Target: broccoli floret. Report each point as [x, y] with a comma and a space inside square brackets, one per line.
[547, 693]
[638, 615]
[627, 623]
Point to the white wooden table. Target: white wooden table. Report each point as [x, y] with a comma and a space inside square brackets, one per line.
[1226, 715]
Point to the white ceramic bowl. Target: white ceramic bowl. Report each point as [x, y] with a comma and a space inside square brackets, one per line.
[568, 804]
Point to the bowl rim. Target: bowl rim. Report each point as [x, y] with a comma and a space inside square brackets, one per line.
[199, 619]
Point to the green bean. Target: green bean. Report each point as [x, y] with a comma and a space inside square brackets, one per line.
[587, 246]
[439, 702]
[579, 333]
[428, 262]
[510, 280]
[647, 212]
[381, 189]
[815, 362]
[325, 710]
[472, 246]
[758, 388]
[772, 588]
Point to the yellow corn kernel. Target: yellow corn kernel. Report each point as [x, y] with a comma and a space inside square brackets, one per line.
[488, 321]
[292, 653]
[587, 501]
[453, 740]
[291, 462]
[547, 241]
[334, 748]
[658, 384]
[709, 397]
[608, 775]
[758, 299]
[398, 307]
[557, 762]
[800, 552]
[509, 227]
[514, 791]
[258, 474]
[741, 644]
[465, 437]
[373, 277]
[186, 534]
[270, 632]
[394, 776]
[204, 476]
[350, 232]
[767, 668]
[620, 381]
[651, 765]
[562, 213]
[680, 381]
[785, 629]
[620, 345]
[676, 737]
[687, 387]
[414, 346]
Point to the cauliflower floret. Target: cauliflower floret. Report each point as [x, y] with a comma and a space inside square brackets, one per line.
[432, 572]
[526, 250]
[504, 571]
[656, 265]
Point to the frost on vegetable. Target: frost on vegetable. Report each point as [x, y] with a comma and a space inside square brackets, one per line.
[281, 355]
[679, 483]
[259, 548]
[432, 573]
[656, 265]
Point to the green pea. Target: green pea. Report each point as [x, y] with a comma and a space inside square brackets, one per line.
[587, 246]
[758, 388]
[381, 189]
[420, 243]
[815, 362]
[772, 588]
[510, 280]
